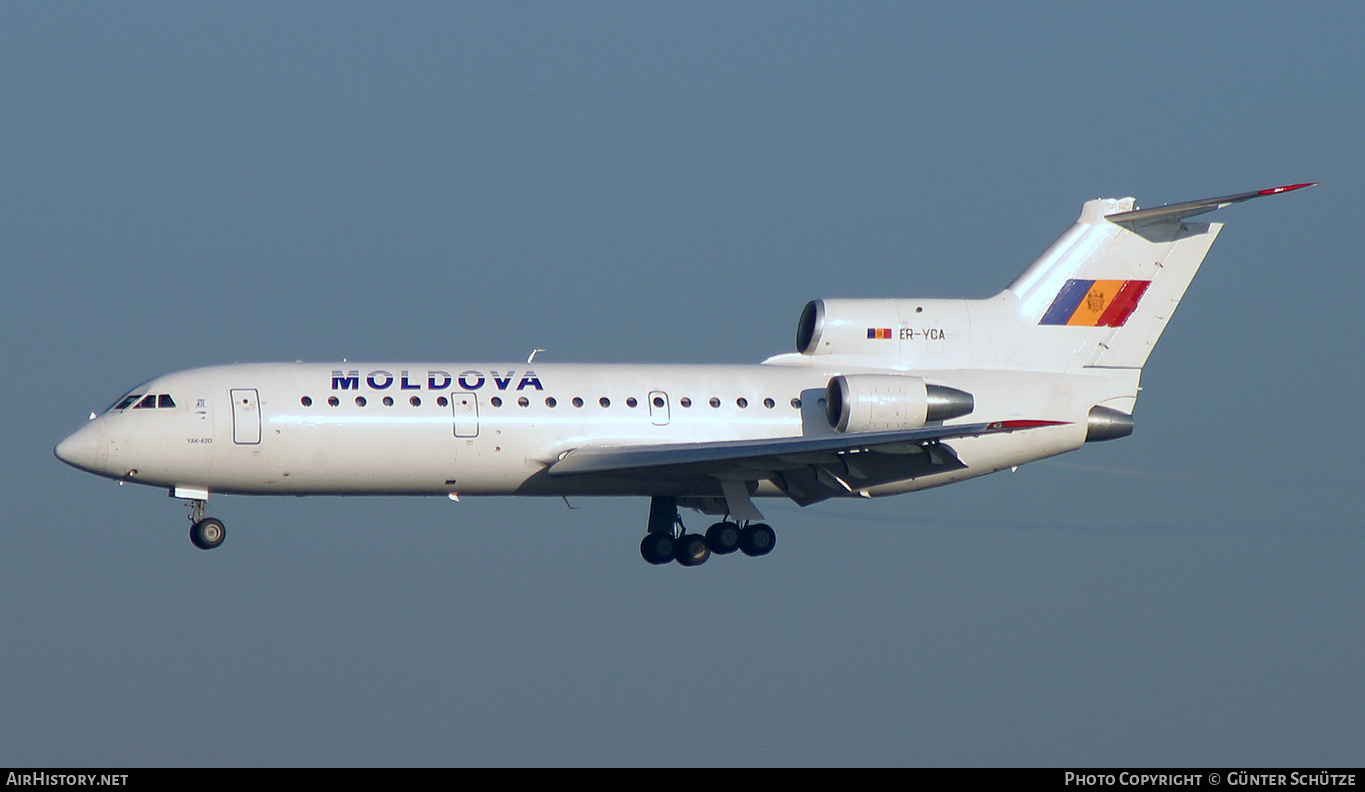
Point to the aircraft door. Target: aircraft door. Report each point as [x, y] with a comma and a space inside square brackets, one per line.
[658, 408]
[466, 406]
[246, 416]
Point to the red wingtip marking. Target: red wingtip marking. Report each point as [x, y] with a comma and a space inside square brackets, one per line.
[1005, 425]
[1286, 188]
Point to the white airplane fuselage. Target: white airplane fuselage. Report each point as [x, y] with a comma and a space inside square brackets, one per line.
[492, 429]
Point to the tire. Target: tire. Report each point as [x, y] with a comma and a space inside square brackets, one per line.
[658, 548]
[723, 538]
[208, 533]
[692, 550]
[757, 540]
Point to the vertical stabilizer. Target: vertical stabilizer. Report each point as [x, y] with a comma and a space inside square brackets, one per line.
[1102, 294]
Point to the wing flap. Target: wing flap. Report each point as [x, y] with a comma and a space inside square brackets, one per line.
[764, 456]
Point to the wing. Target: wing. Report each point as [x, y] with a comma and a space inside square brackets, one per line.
[807, 469]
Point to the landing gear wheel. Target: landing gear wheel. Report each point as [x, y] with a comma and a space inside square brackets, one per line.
[207, 533]
[692, 550]
[757, 539]
[658, 548]
[723, 538]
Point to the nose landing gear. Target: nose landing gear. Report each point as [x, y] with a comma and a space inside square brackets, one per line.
[206, 532]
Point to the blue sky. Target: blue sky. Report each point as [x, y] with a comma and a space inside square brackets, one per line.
[189, 184]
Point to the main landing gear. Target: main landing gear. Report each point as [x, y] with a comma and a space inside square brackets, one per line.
[206, 532]
[667, 539]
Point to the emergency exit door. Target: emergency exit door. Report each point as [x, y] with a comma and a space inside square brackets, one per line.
[466, 406]
[246, 416]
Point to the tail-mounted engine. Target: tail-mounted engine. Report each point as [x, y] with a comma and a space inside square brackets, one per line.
[910, 331]
[841, 326]
[881, 402]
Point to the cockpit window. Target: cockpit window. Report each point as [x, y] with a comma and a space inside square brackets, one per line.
[140, 401]
[126, 401]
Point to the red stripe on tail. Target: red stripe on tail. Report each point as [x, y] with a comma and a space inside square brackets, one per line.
[1125, 302]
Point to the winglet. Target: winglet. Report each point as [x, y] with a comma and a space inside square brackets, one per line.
[1174, 213]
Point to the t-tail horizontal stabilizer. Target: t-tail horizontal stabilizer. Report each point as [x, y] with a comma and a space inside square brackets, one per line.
[1174, 213]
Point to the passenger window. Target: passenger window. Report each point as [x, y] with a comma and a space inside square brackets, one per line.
[165, 400]
[604, 401]
[742, 402]
[715, 402]
[306, 401]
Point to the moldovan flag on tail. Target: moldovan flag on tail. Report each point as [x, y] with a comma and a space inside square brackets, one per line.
[1095, 303]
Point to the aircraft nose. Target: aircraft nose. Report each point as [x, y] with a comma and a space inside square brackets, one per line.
[86, 448]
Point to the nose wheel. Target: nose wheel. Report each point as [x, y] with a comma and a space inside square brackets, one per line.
[206, 532]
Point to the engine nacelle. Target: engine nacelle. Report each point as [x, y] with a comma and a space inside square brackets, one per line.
[881, 402]
[885, 327]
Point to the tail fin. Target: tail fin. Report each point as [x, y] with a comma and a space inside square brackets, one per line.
[1100, 297]
[1103, 293]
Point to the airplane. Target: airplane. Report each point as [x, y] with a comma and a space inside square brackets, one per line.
[881, 397]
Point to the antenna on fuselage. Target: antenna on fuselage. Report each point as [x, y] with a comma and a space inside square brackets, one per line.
[532, 358]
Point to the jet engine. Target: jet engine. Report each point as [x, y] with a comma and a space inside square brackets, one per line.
[885, 327]
[839, 326]
[881, 402]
